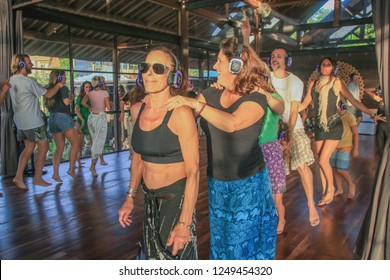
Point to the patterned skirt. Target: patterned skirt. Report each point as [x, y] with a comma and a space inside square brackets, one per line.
[162, 212]
[273, 157]
[243, 219]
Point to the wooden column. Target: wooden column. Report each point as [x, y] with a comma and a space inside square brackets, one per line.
[183, 33]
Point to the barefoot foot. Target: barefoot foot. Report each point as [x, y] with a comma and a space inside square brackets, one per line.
[57, 179]
[351, 191]
[70, 173]
[20, 184]
[93, 171]
[313, 216]
[281, 224]
[41, 182]
[328, 198]
[103, 163]
[338, 192]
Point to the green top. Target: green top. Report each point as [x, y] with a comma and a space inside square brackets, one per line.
[269, 132]
[85, 113]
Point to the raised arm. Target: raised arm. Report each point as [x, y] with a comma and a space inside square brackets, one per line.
[51, 92]
[136, 171]
[4, 87]
[183, 124]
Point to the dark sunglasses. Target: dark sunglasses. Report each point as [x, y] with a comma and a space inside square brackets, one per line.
[158, 68]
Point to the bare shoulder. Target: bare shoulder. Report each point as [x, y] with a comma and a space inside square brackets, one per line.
[182, 119]
[183, 113]
[134, 110]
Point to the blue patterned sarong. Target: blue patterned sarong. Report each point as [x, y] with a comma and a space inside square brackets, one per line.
[243, 219]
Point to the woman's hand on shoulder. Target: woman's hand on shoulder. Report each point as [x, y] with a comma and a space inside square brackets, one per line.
[178, 101]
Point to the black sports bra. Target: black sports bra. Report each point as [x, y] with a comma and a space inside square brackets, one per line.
[159, 145]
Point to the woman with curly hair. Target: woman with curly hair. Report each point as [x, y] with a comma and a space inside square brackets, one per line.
[242, 212]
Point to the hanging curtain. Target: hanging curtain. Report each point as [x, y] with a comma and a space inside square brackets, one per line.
[374, 239]
[8, 144]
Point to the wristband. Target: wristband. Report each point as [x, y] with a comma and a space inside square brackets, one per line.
[131, 192]
[197, 112]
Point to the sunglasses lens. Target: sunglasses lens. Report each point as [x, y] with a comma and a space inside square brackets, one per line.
[143, 67]
[158, 68]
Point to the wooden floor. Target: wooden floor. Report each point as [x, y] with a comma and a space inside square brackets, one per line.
[78, 219]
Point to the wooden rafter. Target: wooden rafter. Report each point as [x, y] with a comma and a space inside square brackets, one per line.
[21, 4]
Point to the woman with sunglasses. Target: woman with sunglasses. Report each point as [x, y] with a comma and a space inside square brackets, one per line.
[61, 123]
[242, 212]
[166, 158]
[326, 93]
[97, 121]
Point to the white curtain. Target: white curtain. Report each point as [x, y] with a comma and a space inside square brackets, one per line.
[374, 239]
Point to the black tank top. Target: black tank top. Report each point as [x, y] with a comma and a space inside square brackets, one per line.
[237, 155]
[159, 145]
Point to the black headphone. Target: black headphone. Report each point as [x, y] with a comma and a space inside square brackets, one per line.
[342, 105]
[351, 76]
[287, 58]
[175, 77]
[236, 64]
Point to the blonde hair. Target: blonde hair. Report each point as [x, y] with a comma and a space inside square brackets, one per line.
[96, 79]
[16, 59]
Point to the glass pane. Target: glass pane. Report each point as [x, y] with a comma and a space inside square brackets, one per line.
[92, 51]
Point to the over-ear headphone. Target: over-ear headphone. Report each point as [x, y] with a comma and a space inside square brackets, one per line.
[21, 63]
[100, 83]
[351, 77]
[287, 58]
[175, 78]
[342, 105]
[236, 64]
[60, 78]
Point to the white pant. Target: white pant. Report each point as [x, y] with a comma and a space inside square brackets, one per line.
[97, 125]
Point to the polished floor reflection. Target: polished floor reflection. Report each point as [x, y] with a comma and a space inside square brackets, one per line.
[78, 219]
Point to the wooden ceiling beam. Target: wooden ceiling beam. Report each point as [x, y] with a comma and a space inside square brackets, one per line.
[313, 26]
[52, 29]
[206, 3]
[161, 13]
[21, 4]
[40, 36]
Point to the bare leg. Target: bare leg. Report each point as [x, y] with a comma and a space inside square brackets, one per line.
[307, 182]
[319, 145]
[92, 168]
[326, 151]
[24, 157]
[43, 147]
[278, 199]
[59, 140]
[71, 135]
[351, 185]
[339, 182]
[80, 146]
[102, 162]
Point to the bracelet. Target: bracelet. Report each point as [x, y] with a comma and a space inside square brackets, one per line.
[197, 112]
[131, 192]
[180, 223]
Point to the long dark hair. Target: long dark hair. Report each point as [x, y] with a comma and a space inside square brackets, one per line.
[82, 89]
[53, 80]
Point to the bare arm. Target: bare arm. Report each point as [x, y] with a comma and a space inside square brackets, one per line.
[4, 86]
[51, 92]
[345, 92]
[246, 31]
[122, 108]
[247, 114]
[85, 101]
[308, 98]
[276, 105]
[293, 115]
[184, 126]
[136, 171]
[108, 103]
